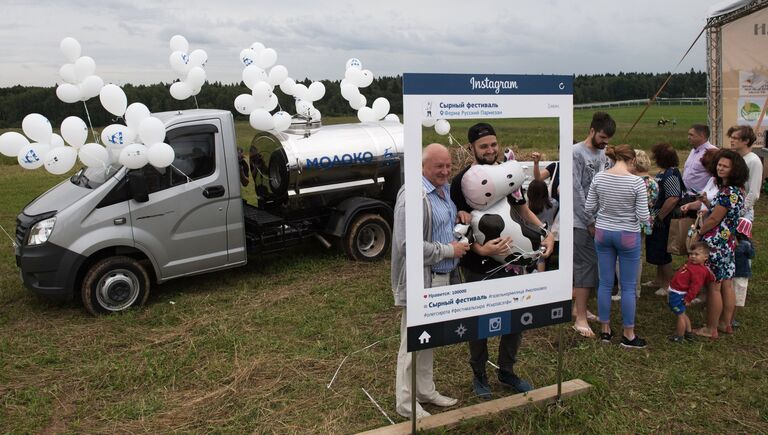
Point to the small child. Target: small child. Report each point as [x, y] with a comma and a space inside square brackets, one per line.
[685, 285]
[545, 208]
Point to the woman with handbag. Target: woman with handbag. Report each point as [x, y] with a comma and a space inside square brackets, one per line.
[671, 189]
[718, 230]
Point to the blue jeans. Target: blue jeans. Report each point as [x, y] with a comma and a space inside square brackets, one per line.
[624, 245]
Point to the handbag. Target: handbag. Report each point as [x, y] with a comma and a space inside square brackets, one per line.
[693, 233]
[677, 243]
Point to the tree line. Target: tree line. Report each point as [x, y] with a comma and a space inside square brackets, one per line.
[18, 101]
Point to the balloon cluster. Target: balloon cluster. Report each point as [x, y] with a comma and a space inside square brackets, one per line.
[442, 126]
[81, 82]
[188, 68]
[355, 77]
[48, 148]
[133, 145]
[261, 75]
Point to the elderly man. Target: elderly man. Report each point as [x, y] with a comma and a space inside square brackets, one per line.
[695, 175]
[478, 264]
[441, 255]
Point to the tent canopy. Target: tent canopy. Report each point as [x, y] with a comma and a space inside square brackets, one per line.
[725, 7]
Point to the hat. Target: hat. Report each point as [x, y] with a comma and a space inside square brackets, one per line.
[744, 227]
[481, 129]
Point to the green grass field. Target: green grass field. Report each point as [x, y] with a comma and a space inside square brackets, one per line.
[253, 349]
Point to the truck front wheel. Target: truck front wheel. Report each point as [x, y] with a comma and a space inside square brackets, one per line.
[115, 284]
[368, 238]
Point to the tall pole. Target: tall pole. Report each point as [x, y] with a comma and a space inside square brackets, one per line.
[413, 393]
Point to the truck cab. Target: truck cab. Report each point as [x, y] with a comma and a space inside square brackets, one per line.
[108, 234]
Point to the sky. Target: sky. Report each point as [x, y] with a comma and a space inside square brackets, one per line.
[129, 40]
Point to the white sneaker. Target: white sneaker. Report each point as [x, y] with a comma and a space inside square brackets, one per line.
[420, 413]
[661, 292]
[695, 301]
[616, 297]
[441, 400]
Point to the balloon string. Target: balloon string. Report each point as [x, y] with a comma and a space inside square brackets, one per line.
[189, 180]
[88, 115]
[195, 97]
[13, 242]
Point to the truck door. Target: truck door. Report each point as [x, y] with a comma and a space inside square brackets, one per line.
[184, 223]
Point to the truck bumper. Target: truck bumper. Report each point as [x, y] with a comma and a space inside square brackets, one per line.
[49, 270]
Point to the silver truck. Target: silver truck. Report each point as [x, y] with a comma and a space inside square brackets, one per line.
[108, 237]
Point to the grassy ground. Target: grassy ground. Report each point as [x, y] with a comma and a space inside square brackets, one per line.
[253, 349]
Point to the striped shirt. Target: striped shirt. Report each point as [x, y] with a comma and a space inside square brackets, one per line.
[443, 221]
[621, 202]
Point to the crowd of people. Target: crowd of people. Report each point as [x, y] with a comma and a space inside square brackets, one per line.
[616, 204]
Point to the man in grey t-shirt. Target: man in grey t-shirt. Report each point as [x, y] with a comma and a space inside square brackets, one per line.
[588, 159]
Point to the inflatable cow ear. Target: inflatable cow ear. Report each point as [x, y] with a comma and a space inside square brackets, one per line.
[484, 185]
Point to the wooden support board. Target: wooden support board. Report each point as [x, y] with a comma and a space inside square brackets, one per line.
[449, 418]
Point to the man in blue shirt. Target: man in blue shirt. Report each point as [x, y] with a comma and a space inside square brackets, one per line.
[441, 255]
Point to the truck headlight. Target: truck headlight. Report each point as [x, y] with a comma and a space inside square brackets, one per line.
[41, 231]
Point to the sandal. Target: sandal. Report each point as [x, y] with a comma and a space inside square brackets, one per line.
[704, 332]
[725, 330]
[591, 317]
[584, 331]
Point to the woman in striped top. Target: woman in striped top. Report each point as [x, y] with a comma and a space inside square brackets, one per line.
[620, 202]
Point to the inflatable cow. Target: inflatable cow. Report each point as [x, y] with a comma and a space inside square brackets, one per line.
[489, 190]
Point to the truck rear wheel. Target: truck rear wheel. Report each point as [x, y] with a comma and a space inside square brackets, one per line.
[368, 238]
[115, 284]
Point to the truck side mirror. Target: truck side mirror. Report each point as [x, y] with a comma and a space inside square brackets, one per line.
[138, 186]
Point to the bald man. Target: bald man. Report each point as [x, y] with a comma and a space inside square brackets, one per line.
[441, 255]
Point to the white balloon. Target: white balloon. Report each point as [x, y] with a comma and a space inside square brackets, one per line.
[117, 136]
[257, 47]
[288, 86]
[180, 63]
[90, 87]
[315, 115]
[71, 48]
[282, 120]
[366, 78]
[196, 91]
[179, 43]
[134, 114]
[262, 92]
[428, 122]
[359, 102]
[252, 74]
[181, 91]
[392, 117]
[56, 141]
[244, 104]
[354, 76]
[301, 91]
[151, 130]
[316, 91]
[67, 73]
[134, 156]
[365, 114]
[84, 66]
[260, 119]
[160, 155]
[31, 156]
[272, 103]
[354, 63]
[380, 107]
[196, 77]
[277, 75]
[349, 92]
[304, 108]
[267, 58]
[11, 143]
[198, 58]
[68, 93]
[93, 155]
[113, 99]
[442, 127]
[60, 160]
[37, 127]
[74, 131]
[248, 57]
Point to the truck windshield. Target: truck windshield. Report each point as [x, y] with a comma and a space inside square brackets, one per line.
[92, 178]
